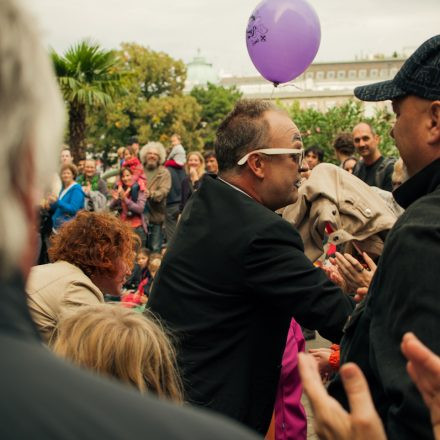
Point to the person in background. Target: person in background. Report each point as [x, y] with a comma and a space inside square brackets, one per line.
[314, 156]
[158, 186]
[132, 163]
[134, 145]
[121, 343]
[195, 169]
[66, 156]
[211, 164]
[373, 168]
[70, 200]
[80, 166]
[344, 147]
[177, 156]
[349, 164]
[128, 199]
[90, 180]
[140, 279]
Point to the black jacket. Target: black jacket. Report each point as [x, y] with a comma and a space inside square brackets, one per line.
[228, 286]
[43, 397]
[404, 296]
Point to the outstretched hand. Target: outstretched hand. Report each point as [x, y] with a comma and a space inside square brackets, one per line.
[332, 422]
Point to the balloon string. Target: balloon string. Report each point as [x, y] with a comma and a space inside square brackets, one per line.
[273, 91]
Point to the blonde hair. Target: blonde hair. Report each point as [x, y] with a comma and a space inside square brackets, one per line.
[122, 343]
[201, 167]
[31, 125]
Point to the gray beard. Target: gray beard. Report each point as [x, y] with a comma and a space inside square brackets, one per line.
[152, 166]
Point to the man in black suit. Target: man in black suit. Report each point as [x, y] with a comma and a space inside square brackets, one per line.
[236, 272]
[42, 396]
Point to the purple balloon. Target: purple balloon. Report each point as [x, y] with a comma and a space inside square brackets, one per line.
[282, 38]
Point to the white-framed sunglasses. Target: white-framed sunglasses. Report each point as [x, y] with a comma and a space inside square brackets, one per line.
[296, 154]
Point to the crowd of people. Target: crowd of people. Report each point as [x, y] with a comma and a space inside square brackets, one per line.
[181, 281]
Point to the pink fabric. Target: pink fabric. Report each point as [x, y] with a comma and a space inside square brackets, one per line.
[290, 416]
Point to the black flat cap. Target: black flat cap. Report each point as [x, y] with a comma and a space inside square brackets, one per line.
[419, 76]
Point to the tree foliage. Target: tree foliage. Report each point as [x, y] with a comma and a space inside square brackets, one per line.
[154, 107]
[216, 102]
[88, 79]
[318, 128]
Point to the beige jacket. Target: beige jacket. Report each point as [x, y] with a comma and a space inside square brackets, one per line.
[57, 289]
[158, 187]
[350, 206]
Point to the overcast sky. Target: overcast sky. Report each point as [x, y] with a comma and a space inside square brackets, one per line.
[217, 27]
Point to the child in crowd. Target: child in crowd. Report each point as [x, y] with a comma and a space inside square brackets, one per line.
[132, 162]
[118, 342]
[139, 279]
[177, 156]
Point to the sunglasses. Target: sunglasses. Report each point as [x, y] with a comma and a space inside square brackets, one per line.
[296, 154]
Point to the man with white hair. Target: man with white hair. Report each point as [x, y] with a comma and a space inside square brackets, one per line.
[43, 396]
[158, 186]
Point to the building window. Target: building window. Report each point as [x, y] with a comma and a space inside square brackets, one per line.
[320, 75]
[309, 75]
[341, 74]
[331, 75]
[373, 73]
[362, 73]
[352, 74]
[383, 73]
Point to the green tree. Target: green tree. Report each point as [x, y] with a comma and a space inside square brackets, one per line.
[88, 79]
[216, 102]
[154, 107]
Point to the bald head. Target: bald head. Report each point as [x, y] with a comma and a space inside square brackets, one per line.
[366, 142]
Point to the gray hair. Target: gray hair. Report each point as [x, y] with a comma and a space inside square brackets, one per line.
[150, 146]
[31, 125]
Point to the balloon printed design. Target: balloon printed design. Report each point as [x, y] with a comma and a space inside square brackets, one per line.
[282, 38]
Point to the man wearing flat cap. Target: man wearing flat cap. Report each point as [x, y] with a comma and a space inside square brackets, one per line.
[404, 294]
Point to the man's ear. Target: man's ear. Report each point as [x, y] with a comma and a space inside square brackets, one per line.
[434, 123]
[256, 165]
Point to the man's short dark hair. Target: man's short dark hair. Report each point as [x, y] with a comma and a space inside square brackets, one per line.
[344, 144]
[243, 130]
[317, 151]
[209, 154]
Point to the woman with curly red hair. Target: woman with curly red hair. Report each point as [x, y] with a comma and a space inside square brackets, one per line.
[90, 256]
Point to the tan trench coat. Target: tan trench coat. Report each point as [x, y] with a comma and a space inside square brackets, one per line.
[350, 206]
[56, 289]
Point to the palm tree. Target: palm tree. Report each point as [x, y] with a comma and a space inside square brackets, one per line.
[88, 78]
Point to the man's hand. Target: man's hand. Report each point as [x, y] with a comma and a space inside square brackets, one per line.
[352, 271]
[332, 422]
[424, 369]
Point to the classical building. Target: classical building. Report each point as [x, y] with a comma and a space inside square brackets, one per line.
[199, 73]
[322, 85]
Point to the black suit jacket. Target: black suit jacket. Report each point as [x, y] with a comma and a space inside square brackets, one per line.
[43, 397]
[228, 286]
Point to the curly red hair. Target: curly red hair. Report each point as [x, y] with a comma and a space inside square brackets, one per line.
[95, 242]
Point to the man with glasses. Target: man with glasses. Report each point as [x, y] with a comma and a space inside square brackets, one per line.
[235, 273]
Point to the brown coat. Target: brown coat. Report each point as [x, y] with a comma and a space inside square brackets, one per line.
[158, 187]
[57, 289]
[350, 206]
